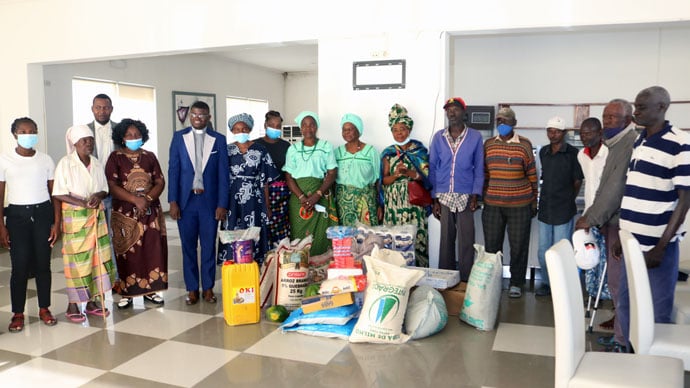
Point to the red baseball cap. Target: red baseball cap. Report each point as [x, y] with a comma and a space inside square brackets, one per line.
[455, 101]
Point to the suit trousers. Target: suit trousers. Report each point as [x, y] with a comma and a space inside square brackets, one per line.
[518, 220]
[457, 227]
[29, 229]
[198, 225]
[614, 269]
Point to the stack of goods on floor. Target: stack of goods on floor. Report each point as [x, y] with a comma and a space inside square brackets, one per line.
[331, 311]
[239, 275]
[285, 274]
[399, 238]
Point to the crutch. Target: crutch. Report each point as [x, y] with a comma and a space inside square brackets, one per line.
[596, 301]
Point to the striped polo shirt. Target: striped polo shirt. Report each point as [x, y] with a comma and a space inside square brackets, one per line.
[660, 164]
[510, 174]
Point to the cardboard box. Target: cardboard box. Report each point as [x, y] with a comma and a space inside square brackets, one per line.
[440, 279]
[325, 302]
[454, 297]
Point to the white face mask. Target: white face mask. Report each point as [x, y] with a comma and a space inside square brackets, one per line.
[402, 143]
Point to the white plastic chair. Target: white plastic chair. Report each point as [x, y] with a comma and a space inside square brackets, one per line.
[647, 337]
[577, 368]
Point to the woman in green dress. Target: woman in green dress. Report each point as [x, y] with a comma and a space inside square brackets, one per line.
[310, 170]
[358, 175]
[407, 159]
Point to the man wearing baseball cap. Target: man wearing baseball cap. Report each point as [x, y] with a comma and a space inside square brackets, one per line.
[456, 171]
[561, 177]
[510, 195]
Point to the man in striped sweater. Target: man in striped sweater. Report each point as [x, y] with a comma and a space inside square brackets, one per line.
[510, 195]
[657, 197]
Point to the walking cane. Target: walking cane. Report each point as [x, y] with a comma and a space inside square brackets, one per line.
[100, 271]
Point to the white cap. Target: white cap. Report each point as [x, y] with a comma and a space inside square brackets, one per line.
[556, 122]
[586, 249]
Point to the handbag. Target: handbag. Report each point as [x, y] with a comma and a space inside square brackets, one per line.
[418, 195]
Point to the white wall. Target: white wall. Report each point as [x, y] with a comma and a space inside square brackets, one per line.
[571, 67]
[195, 73]
[301, 93]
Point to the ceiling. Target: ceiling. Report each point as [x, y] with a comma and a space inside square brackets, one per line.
[290, 58]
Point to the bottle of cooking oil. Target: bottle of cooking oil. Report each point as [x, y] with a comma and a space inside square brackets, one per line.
[241, 301]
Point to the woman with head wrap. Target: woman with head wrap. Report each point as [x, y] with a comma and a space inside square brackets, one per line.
[407, 159]
[80, 185]
[30, 224]
[357, 182]
[136, 181]
[278, 192]
[310, 170]
[251, 172]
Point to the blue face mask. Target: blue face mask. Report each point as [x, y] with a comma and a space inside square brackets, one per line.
[27, 140]
[504, 129]
[273, 133]
[402, 143]
[134, 144]
[241, 137]
[611, 132]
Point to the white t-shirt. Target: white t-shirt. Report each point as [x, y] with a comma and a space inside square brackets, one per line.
[71, 176]
[26, 177]
[592, 170]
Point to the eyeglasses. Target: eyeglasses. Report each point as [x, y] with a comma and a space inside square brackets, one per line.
[199, 116]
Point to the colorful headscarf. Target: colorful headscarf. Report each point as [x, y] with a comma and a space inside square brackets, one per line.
[398, 114]
[304, 114]
[242, 117]
[354, 120]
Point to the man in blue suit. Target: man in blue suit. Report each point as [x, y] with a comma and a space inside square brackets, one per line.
[198, 176]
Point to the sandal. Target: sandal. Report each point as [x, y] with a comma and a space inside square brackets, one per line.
[47, 318]
[17, 323]
[75, 317]
[154, 298]
[515, 292]
[124, 303]
[97, 311]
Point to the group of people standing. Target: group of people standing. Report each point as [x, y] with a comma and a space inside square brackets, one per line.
[113, 228]
[109, 216]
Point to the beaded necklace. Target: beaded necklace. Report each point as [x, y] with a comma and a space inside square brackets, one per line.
[310, 153]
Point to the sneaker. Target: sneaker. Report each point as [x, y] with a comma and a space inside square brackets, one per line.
[514, 292]
[544, 290]
[606, 340]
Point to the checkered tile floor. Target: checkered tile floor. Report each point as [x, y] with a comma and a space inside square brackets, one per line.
[185, 346]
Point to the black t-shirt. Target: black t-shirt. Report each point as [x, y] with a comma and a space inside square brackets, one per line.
[559, 172]
[277, 150]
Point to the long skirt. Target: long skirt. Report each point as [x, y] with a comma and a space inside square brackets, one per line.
[86, 253]
[399, 211]
[303, 223]
[141, 249]
[278, 224]
[357, 205]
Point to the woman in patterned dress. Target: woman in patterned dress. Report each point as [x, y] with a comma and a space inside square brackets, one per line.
[400, 163]
[356, 189]
[251, 172]
[140, 240]
[278, 191]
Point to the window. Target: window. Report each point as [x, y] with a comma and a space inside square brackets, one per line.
[256, 108]
[136, 102]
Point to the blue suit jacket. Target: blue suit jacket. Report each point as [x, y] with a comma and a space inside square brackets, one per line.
[215, 169]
